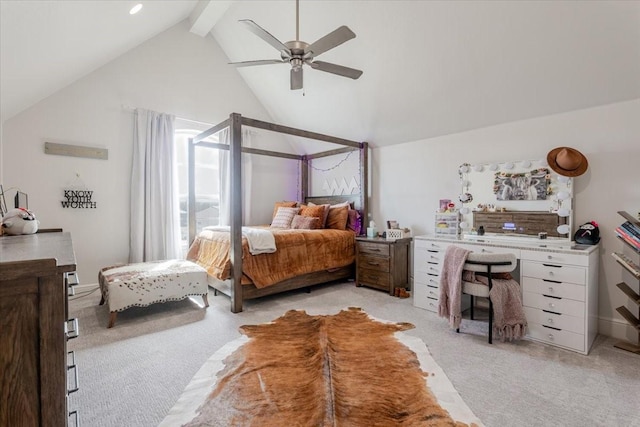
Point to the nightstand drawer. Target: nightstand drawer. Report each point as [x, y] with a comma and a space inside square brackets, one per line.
[374, 263]
[373, 248]
[374, 278]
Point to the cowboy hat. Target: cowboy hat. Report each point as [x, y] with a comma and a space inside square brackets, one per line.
[567, 161]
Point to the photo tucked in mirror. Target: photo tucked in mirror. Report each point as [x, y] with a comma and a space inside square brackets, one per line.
[527, 186]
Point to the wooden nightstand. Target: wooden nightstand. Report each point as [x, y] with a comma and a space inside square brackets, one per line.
[382, 264]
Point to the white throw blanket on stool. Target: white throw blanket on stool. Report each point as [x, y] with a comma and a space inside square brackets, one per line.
[260, 241]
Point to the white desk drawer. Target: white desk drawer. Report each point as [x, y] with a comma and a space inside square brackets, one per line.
[564, 273]
[419, 295]
[563, 305]
[433, 281]
[490, 249]
[561, 338]
[555, 258]
[558, 321]
[431, 245]
[562, 290]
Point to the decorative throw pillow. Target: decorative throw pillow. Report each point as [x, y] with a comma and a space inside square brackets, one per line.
[301, 222]
[354, 221]
[323, 218]
[337, 218]
[283, 217]
[339, 205]
[283, 205]
[312, 211]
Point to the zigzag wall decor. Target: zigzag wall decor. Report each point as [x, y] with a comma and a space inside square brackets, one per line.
[334, 188]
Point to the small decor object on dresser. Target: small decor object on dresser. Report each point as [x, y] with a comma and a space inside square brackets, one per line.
[19, 221]
[587, 234]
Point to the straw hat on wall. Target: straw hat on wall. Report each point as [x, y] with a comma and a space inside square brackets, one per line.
[567, 161]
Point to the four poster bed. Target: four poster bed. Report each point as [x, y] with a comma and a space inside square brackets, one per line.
[304, 257]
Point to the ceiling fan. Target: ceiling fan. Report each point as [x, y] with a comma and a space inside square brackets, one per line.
[297, 53]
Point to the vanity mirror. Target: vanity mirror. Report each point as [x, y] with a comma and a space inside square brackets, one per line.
[515, 199]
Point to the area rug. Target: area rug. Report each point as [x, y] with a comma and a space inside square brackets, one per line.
[346, 369]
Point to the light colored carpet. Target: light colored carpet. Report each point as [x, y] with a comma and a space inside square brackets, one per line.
[132, 374]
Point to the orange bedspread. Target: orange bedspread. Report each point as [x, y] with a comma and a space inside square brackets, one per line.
[297, 252]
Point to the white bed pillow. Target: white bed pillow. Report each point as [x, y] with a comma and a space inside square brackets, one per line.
[283, 217]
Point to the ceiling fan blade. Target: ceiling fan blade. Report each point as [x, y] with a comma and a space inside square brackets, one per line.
[258, 62]
[340, 70]
[296, 78]
[264, 35]
[331, 40]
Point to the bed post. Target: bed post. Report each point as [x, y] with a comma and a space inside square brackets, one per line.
[364, 182]
[304, 179]
[235, 158]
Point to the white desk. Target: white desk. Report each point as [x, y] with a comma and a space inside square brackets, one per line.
[559, 284]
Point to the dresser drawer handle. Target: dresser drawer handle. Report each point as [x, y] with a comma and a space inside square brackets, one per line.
[550, 336]
[373, 263]
[551, 305]
[74, 331]
[550, 320]
[374, 249]
[551, 289]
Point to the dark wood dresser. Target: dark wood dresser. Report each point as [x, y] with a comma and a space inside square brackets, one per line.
[382, 264]
[34, 329]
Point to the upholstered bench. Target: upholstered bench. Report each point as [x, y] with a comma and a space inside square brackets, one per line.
[148, 283]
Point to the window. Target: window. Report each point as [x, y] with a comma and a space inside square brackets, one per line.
[207, 182]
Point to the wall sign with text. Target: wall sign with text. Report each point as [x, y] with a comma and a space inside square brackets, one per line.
[78, 199]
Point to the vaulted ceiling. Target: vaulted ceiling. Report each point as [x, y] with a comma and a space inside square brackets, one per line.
[430, 67]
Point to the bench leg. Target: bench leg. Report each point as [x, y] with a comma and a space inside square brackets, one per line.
[112, 319]
[205, 299]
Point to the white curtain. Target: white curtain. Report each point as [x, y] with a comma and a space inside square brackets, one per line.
[247, 178]
[155, 226]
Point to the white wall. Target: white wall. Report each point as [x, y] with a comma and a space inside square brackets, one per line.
[409, 179]
[175, 72]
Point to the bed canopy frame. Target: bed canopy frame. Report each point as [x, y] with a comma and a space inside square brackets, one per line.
[234, 123]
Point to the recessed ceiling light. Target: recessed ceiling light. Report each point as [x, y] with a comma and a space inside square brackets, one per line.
[135, 9]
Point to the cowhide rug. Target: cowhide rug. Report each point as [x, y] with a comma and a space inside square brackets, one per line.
[345, 369]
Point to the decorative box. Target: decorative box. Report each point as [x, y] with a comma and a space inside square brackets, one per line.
[396, 233]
